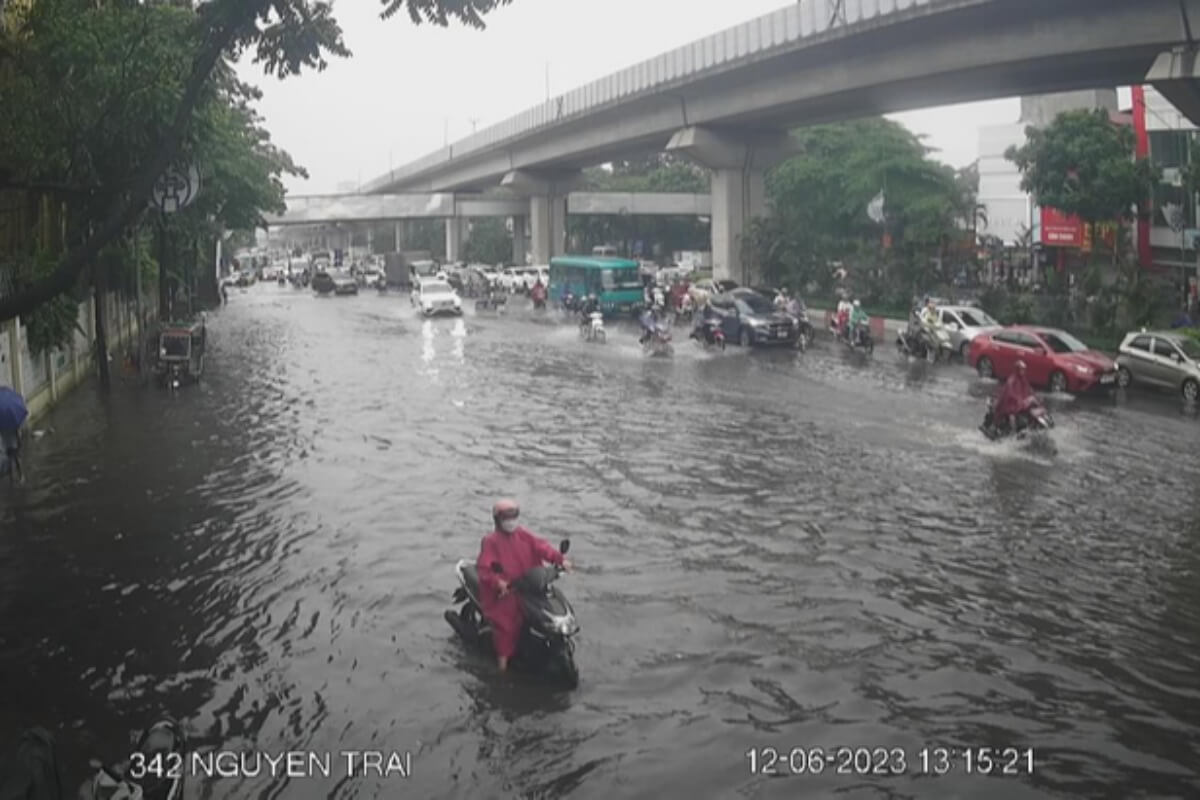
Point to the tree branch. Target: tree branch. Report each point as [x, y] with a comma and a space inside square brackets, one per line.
[127, 210]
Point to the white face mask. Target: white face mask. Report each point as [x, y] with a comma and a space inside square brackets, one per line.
[508, 525]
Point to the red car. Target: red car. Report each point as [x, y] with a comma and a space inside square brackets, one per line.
[1054, 359]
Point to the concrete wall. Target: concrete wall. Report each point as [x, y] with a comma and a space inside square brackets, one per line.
[44, 378]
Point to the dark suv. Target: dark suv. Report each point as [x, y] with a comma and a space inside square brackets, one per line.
[749, 319]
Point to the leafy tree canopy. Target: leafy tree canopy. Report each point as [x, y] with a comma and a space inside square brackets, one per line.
[101, 97]
[819, 200]
[1083, 164]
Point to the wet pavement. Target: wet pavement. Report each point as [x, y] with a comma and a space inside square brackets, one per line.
[774, 550]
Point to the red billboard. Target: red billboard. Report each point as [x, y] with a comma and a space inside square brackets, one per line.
[1061, 230]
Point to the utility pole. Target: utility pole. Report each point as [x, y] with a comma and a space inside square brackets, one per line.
[445, 131]
[547, 81]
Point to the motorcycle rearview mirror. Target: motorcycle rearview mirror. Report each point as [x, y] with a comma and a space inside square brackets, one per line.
[496, 568]
[565, 546]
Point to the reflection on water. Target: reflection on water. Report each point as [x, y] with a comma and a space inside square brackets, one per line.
[773, 549]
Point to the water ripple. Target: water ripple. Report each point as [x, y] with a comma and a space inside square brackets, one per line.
[773, 549]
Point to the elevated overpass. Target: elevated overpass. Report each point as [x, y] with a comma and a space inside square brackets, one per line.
[358, 208]
[726, 101]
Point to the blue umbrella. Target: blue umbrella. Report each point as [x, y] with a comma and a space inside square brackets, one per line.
[12, 410]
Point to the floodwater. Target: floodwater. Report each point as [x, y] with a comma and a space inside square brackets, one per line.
[774, 551]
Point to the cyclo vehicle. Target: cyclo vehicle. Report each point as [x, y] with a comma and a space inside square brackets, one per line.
[181, 353]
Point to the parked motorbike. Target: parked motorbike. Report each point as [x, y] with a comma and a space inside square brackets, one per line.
[1033, 419]
[709, 333]
[546, 644]
[930, 343]
[592, 328]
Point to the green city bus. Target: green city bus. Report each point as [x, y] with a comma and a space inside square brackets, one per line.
[616, 282]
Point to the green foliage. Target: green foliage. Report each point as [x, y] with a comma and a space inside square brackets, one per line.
[1083, 164]
[426, 234]
[489, 242]
[656, 173]
[101, 96]
[51, 325]
[819, 208]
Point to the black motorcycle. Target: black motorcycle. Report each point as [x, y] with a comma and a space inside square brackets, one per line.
[858, 338]
[929, 344]
[804, 329]
[709, 333]
[546, 644]
[1033, 418]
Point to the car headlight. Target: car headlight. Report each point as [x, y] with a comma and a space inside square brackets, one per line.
[457, 302]
[755, 322]
[1083, 370]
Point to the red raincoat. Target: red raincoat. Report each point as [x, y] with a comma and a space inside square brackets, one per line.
[1013, 395]
[516, 552]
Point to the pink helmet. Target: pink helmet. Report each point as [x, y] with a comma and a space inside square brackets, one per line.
[505, 509]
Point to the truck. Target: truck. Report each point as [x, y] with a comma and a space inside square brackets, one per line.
[397, 266]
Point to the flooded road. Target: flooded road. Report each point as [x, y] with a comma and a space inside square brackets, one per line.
[773, 550]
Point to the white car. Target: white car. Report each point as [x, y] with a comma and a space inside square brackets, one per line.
[511, 279]
[437, 297]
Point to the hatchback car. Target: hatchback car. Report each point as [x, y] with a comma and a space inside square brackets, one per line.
[1054, 359]
[1160, 358]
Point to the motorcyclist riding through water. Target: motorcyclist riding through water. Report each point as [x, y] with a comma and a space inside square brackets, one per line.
[857, 317]
[1013, 397]
[590, 305]
[649, 323]
[516, 551]
[843, 314]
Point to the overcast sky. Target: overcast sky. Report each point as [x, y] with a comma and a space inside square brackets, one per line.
[406, 86]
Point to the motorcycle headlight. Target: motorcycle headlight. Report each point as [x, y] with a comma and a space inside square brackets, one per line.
[563, 625]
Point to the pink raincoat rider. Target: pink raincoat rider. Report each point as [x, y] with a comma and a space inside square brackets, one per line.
[516, 550]
[1014, 395]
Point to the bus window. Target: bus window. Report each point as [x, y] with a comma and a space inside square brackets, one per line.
[604, 250]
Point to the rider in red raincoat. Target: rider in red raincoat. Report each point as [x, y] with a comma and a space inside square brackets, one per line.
[1014, 395]
[516, 550]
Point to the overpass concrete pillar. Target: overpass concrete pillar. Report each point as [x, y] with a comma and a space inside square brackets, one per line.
[456, 234]
[739, 162]
[547, 192]
[1176, 76]
[398, 232]
[520, 244]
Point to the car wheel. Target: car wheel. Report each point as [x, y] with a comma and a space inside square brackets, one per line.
[1124, 377]
[1191, 390]
[1058, 382]
[984, 368]
[744, 338]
